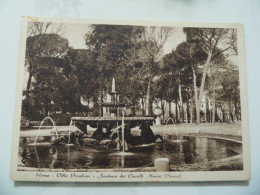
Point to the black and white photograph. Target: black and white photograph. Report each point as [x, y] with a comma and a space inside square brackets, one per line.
[130, 101]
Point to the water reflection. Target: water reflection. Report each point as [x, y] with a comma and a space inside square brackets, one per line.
[194, 150]
[54, 156]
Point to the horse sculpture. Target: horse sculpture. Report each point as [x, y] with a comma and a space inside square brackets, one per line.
[147, 136]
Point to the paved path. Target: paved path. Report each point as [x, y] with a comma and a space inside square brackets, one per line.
[47, 131]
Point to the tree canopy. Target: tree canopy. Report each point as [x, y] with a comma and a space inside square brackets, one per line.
[63, 79]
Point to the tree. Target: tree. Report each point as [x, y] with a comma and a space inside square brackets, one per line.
[230, 90]
[86, 73]
[154, 39]
[41, 42]
[115, 53]
[166, 86]
[183, 64]
[216, 68]
[213, 41]
[55, 87]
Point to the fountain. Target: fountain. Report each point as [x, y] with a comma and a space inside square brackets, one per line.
[177, 152]
[115, 121]
[176, 134]
[70, 144]
[113, 116]
[36, 138]
[123, 153]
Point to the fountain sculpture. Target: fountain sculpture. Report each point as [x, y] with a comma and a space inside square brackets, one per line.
[116, 124]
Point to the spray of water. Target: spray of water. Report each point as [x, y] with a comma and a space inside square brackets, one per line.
[170, 119]
[71, 122]
[42, 124]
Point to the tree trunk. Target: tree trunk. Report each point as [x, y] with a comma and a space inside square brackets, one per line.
[133, 110]
[179, 112]
[206, 110]
[133, 106]
[230, 111]
[191, 110]
[88, 107]
[170, 112]
[101, 108]
[27, 96]
[181, 104]
[45, 107]
[176, 111]
[197, 109]
[143, 107]
[187, 112]
[236, 111]
[162, 107]
[28, 84]
[239, 110]
[213, 104]
[202, 86]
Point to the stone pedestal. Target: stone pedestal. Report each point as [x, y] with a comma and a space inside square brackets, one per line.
[162, 164]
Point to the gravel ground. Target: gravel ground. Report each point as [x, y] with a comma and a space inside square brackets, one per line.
[217, 130]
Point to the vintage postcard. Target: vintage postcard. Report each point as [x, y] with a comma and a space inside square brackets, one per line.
[130, 101]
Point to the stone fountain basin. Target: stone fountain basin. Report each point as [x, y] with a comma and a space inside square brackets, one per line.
[184, 155]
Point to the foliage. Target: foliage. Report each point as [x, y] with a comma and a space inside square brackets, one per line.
[76, 81]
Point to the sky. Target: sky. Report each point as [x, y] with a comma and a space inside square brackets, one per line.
[75, 35]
